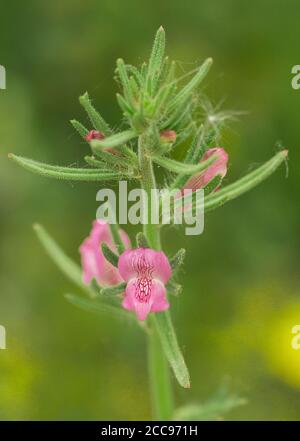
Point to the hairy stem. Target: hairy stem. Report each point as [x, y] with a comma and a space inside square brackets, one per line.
[159, 371]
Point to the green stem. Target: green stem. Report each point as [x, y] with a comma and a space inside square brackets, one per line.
[159, 371]
[161, 393]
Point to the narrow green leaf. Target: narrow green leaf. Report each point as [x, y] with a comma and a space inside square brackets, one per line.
[135, 72]
[90, 160]
[179, 167]
[97, 306]
[171, 348]
[246, 183]
[177, 260]
[158, 50]
[113, 290]
[165, 90]
[113, 140]
[185, 93]
[109, 159]
[128, 153]
[96, 119]
[203, 145]
[79, 128]
[115, 232]
[109, 254]
[64, 173]
[212, 185]
[195, 145]
[173, 288]
[251, 180]
[179, 116]
[128, 93]
[213, 409]
[141, 240]
[71, 269]
[198, 146]
[125, 107]
[156, 59]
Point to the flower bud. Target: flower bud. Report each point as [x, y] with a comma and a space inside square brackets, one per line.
[218, 167]
[168, 137]
[94, 134]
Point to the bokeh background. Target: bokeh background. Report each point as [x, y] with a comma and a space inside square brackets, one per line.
[241, 278]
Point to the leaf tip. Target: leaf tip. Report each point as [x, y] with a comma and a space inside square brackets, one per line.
[36, 226]
[83, 97]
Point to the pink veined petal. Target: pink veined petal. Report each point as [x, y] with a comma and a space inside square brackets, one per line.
[144, 262]
[160, 302]
[132, 301]
[144, 295]
[94, 264]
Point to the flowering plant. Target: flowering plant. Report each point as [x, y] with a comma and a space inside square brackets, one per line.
[121, 276]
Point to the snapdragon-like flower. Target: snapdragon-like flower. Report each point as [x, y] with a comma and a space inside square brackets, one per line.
[146, 272]
[219, 167]
[94, 264]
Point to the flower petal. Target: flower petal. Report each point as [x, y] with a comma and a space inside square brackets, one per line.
[94, 264]
[159, 297]
[145, 296]
[219, 167]
[144, 262]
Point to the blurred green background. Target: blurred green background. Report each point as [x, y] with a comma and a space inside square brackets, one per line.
[241, 278]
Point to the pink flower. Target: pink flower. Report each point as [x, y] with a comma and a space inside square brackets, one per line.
[94, 134]
[146, 272]
[93, 261]
[219, 167]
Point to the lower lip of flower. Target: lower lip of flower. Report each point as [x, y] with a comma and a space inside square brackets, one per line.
[143, 287]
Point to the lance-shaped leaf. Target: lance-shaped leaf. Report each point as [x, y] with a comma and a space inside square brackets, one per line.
[109, 254]
[115, 232]
[91, 160]
[173, 288]
[213, 409]
[165, 90]
[180, 167]
[98, 306]
[83, 131]
[203, 145]
[158, 50]
[113, 290]
[96, 119]
[141, 240]
[246, 183]
[110, 159]
[64, 173]
[127, 87]
[73, 271]
[212, 185]
[68, 267]
[169, 342]
[242, 185]
[113, 140]
[185, 93]
[198, 146]
[177, 260]
[156, 59]
[125, 106]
